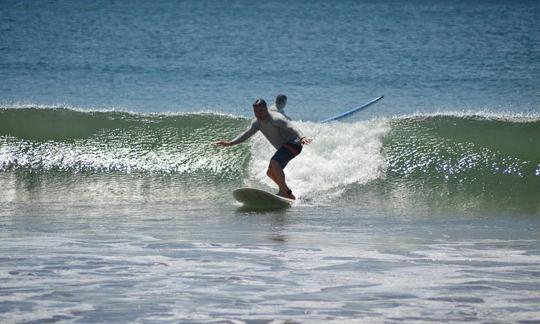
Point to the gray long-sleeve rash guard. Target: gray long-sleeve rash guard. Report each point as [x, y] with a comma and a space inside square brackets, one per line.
[276, 129]
[281, 111]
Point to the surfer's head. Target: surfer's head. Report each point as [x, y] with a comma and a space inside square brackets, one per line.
[260, 109]
[281, 101]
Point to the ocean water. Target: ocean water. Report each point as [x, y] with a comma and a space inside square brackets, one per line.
[115, 206]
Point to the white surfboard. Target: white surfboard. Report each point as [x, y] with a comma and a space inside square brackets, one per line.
[351, 111]
[251, 197]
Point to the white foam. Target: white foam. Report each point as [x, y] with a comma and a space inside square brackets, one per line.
[341, 154]
[507, 115]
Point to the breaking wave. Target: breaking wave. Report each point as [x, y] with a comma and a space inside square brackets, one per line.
[451, 159]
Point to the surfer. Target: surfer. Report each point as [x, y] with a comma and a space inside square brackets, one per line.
[287, 139]
[279, 105]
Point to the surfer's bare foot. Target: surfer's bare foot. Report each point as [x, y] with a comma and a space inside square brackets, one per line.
[291, 196]
[287, 194]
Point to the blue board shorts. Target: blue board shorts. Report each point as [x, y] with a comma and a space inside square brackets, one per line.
[286, 153]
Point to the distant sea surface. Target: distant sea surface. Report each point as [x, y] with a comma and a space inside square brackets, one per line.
[115, 206]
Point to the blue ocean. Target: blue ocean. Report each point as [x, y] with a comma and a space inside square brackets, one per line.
[116, 206]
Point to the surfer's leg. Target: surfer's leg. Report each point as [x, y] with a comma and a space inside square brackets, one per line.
[275, 172]
[278, 162]
[270, 174]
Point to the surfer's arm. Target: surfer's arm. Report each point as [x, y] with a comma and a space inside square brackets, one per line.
[253, 128]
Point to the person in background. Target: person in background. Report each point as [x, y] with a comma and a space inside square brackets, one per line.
[279, 105]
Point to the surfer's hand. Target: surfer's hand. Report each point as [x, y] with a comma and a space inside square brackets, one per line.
[306, 141]
[223, 143]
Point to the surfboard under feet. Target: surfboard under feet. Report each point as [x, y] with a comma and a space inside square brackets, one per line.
[252, 197]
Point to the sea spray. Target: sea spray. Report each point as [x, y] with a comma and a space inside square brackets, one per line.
[341, 154]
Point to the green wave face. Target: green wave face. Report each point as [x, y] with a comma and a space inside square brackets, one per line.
[73, 141]
[472, 161]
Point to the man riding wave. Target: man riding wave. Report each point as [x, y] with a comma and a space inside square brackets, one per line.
[286, 138]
